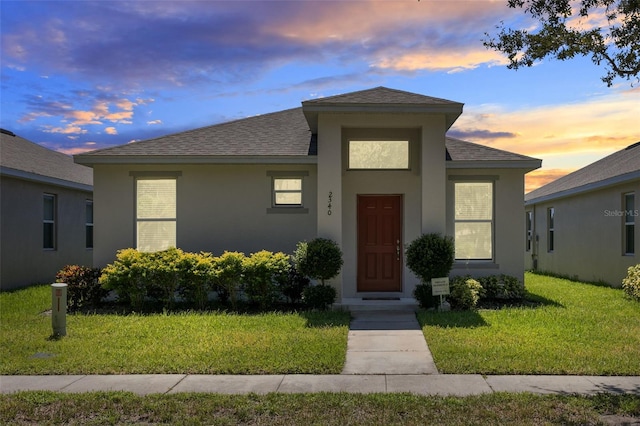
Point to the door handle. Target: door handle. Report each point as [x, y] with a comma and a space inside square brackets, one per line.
[398, 250]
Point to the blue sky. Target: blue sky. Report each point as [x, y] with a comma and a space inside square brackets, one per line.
[82, 75]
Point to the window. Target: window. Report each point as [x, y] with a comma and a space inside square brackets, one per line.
[387, 155]
[88, 224]
[551, 213]
[629, 223]
[287, 192]
[474, 220]
[529, 229]
[49, 222]
[155, 214]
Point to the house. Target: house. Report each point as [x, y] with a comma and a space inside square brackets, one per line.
[583, 224]
[46, 219]
[371, 170]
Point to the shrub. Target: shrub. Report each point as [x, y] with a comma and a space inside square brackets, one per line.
[83, 287]
[430, 256]
[319, 296]
[228, 273]
[501, 287]
[293, 285]
[127, 275]
[631, 283]
[195, 278]
[161, 278]
[263, 271]
[424, 295]
[465, 293]
[319, 259]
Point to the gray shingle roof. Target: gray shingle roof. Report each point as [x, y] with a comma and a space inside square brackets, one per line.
[380, 95]
[459, 150]
[621, 166]
[22, 158]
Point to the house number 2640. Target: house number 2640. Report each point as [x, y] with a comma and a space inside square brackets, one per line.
[329, 204]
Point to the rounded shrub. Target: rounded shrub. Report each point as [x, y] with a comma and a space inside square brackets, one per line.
[83, 287]
[319, 296]
[423, 294]
[631, 283]
[465, 293]
[319, 259]
[264, 270]
[430, 256]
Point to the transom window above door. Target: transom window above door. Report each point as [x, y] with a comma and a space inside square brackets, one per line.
[378, 155]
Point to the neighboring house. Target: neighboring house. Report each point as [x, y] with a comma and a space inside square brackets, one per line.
[46, 213]
[372, 170]
[583, 224]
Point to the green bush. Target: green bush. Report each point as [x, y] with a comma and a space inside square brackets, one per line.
[83, 287]
[631, 283]
[127, 275]
[501, 287]
[465, 293]
[293, 285]
[162, 275]
[424, 296]
[263, 271]
[430, 256]
[319, 296]
[319, 259]
[195, 278]
[228, 273]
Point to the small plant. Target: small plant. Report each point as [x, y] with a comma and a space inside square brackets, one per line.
[228, 272]
[430, 256]
[162, 275]
[293, 285]
[195, 278]
[319, 259]
[83, 287]
[127, 275]
[319, 296]
[424, 295]
[501, 287]
[465, 293]
[631, 283]
[263, 271]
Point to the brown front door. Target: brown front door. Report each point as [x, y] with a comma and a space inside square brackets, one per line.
[379, 243]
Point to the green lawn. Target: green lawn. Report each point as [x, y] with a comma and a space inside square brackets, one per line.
[577, 329]
[213, 343]
[44, 408]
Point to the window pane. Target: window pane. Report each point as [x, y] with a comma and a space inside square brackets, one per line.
[89, 212]
[287, 184]
[48, 236]
[473, 240]
[289, 198]
[89, 236]
[378, 154]
[49, 207]
[156, 235]
[156, 198]
[629, 202]
[629, 239]
[552, 213]
[474, 201]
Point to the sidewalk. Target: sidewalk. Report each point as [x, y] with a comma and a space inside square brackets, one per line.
[437, 384]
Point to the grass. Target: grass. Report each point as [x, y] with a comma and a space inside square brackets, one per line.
[576, 328]
[44, 408]
[196, 343]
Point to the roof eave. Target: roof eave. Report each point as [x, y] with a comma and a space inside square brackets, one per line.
[526, 165]
[90, 160]
[616, 180]
[33, 177]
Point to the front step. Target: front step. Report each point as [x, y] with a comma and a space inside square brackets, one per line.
[377, 304]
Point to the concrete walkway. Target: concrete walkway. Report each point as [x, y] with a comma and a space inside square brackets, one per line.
[387, 342]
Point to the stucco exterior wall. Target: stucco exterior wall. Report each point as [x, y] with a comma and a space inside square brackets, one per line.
[509, 237]
[23, 261]
[219, 207]
[588, 236]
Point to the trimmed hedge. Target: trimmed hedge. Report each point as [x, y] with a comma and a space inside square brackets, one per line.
[631, 283]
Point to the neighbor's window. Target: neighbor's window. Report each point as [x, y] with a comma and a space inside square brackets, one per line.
[49, 222]
[155, 214]
[529, 229]
[287, 192]
[474, 220]
[629, 223]
[379, 155]
[551, 213]
[88, 225]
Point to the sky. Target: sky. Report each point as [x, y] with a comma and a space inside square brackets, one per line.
[83, 75]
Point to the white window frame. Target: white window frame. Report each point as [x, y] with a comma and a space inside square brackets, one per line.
[491, 220]
[50, 221]
[171, 219]
[629, 223]
[88, 225]
[353, 142]
[275, 191]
